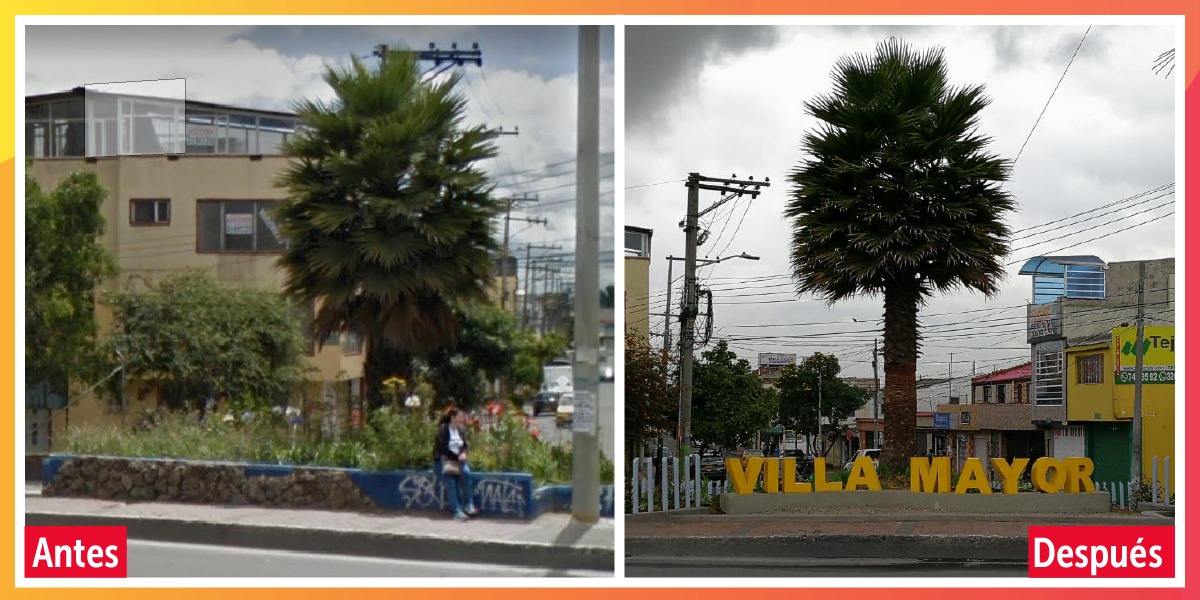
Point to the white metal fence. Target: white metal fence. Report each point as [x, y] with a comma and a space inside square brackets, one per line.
[671, 483]
[1128, 494]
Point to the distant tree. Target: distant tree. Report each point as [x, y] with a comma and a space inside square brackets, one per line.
[64, 262]
[729, 403]
[812, 383]
[1165, 63]
[194, 338]
[651, 396]
[534, 351]
[608, 297]
[389, 216]
[898, 196]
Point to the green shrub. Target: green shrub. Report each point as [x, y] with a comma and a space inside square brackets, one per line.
[394, 439]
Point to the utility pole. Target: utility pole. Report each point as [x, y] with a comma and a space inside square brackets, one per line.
[875, 366]
[508, 204]
[1139, 356]
[687, 337]
[529, 280]
[950, 378]
[667, 332]
[585, 455]
[820, 429]
[442, 60]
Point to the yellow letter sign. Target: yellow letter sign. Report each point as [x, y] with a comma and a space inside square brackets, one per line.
[745, 479]
[930, 475]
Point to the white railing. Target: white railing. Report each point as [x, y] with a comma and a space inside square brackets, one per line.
[674, 483]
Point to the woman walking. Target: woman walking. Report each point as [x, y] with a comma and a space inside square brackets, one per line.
[450, 462]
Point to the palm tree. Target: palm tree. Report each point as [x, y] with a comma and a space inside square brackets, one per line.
[897, 196]
[388, 223]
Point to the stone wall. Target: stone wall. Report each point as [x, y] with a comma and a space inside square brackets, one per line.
[139, 480]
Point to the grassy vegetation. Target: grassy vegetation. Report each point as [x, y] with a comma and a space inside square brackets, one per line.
[392, 441]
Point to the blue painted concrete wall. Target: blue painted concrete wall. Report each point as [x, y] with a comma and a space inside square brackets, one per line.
[557, 498]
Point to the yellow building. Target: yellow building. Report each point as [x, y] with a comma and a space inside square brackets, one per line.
[1100, 393]
[637, 281]
[190, 187]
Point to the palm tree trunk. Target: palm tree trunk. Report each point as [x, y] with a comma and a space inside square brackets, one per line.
[900, 341]
[384, 360]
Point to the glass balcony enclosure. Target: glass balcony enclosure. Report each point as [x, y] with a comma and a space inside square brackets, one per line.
[95, 124]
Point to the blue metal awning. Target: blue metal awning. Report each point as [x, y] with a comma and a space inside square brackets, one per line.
[1056, 265]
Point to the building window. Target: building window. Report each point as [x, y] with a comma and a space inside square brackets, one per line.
[352, 343]
[637, 243]
[150, 212]
[987, 394]
[237, 226]
[1000, 393]
[1048, 374]
[1090, 369]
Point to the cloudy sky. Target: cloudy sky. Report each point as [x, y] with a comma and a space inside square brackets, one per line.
[728, 100]
[528, 82]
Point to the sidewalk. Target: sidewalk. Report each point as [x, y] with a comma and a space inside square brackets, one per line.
[552, 540]
[916, 534]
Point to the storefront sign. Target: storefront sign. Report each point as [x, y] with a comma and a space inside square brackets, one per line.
[1043, 322]
[1158, 355]
[941, 420]
[930, 476]
[768, 359]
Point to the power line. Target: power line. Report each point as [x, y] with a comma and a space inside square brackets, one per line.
[634, 187]
[1047, 105]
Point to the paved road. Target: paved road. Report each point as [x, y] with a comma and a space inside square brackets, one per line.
[162, 559]
[606, 429]
[841, 568]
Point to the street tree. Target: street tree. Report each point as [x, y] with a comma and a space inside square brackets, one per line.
[64, 263]
[729, 403]
[484, 350]
[388, 221]
[898, 196]
[813, 384]
[193, 338]
[651, 396]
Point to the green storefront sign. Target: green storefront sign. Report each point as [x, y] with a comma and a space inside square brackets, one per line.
[1148, 377]
[1158, 355]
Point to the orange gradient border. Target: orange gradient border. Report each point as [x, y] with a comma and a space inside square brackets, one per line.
[1189, 65]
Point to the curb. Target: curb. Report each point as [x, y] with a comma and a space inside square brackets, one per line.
[684, 516]
[921, 547]
[346, 543]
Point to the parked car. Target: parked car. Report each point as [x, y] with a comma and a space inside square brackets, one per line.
[872, 452]
[712, 467]
[565, 413]
[545, 402]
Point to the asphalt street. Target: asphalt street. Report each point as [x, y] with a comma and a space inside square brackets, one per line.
[605, 428]
[808, 567]
[162, 559]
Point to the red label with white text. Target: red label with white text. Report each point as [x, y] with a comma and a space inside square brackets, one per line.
[75, 552]
[1123, 551]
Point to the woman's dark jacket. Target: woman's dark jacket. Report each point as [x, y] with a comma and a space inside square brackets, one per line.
[441, 447]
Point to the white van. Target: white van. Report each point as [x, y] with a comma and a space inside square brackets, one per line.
[871, 452]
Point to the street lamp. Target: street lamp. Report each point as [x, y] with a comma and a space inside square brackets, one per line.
[670, 263]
